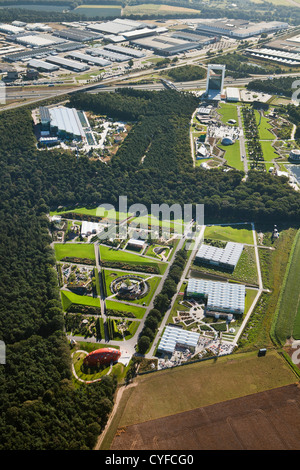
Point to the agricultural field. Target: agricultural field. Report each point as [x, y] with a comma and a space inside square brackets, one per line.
[288, 308]
[151, 8]
[178, 390]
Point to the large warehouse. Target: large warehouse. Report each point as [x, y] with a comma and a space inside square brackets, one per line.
[224, 258]
[219, 297]
[61, 121]
[237, 28]
[177, 337]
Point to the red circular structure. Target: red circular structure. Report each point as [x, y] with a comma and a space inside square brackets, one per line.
[102, 356]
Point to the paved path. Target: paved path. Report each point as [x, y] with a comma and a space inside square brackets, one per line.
[242, 142]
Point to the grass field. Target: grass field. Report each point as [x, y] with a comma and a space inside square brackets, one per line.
[288, 307]
[268, 151]
[264, 127]
[137, 311]
[76, 250]
[180, 389]
[69, 298]
[236, 233]
[228, 111]
[233, 155]
[108, 254]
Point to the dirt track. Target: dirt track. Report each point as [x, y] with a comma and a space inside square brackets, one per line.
[263, 421]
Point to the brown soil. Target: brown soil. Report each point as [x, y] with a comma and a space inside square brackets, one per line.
[263, 421]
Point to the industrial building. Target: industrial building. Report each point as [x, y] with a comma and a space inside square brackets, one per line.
[129, 51]
[165, 45]
[237, 28]
[42, 66]
[232, 94]
[25, 55]
[10, 29]
[174, 337]
[111, 56]
[37, 40]
[78, 35]
[67, 64]
[62, 122]
[282, 57]
[89, 59]
[224, 258]
[218, 297]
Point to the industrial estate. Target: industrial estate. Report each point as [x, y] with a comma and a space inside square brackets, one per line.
[171, 294]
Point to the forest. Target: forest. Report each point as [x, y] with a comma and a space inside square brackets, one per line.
[40, 407]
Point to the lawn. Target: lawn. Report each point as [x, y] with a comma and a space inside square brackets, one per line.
[228, 111]
[269, 153]
[131, 259]
[69, 298]
[74, 250]
[137, 311]
[233, 155]
[185, 388]
[264, 127]
[96, 211]
[237, 233]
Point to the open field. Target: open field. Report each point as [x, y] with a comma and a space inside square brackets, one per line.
[102, 11]
[99, 211]
[236, 233]
[74, 250]
[69, 298]
[151, 8]
[182, 389]
[288, 307]
[266, 420]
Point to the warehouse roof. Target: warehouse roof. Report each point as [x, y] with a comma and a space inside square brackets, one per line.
[174, 335]
[221, 296]
[223, 256]
[88, 58]
[66, 120]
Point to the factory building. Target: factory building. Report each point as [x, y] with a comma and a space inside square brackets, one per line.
[129, 51]
[77, 35]
[165, 45]
[174, 337]
[68, 64]
[237, 28]
[218, 297]
[111, 56]
[279, 56]
[89, 59]
[42, 66]
[62, 122]
[224, 258]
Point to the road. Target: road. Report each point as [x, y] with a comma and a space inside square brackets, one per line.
[197, 242]
[242, 142]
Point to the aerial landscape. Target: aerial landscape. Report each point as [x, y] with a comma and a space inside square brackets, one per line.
[150, 227]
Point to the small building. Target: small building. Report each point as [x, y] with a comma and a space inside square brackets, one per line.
[232, 94]
[89, 228]
[295, 155]
[135, 244]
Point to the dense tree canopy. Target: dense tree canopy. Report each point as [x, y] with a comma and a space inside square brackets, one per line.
[40, 408]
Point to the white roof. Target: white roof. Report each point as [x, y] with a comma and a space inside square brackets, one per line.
[174, 335]
[221, 296]
[134, 241]
[67, 120]
[87, 227]
[228, 255]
